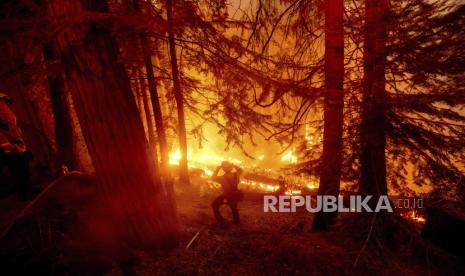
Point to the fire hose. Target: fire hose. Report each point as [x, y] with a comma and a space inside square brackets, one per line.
[50, 186]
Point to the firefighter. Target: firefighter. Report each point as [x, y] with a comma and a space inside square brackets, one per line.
[231, 195]
[13, 151]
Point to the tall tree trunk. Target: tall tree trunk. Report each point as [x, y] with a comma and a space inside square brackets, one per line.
[148, 112]
[158, 118]
[138, 97]
[333, 109]
[60, 108]
[111, 125]
[373, 140]
[149, 121]
[155, 101]
[183, 168]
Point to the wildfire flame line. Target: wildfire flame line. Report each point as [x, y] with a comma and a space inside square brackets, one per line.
[205, 161]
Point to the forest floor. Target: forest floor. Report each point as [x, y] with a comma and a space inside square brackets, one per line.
[282, 244]
[264, 243]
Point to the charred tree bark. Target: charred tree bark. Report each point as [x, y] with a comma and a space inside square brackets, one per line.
[135, 201]
[60, 108]
[183, 168]
[333, 109]
[373, 126]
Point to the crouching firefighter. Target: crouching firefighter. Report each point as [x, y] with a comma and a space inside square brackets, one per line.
[13, 151]
[231, 194]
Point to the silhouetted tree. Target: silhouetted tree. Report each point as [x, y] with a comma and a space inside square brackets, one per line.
[331, 162]
[178, 95]
[60, 107]
[373, 127]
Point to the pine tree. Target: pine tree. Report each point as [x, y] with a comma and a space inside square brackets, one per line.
[333, 108]
[373, 127]
[179, 97]
[415, 59]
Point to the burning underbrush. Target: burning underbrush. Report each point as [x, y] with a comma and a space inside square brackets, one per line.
[255, 179]
[258, 180]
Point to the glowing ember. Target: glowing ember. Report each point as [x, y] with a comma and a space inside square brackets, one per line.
[414, 216]
[310, 136]
[253, 185]
[289, 157]
[293, 192]
[311, 186]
